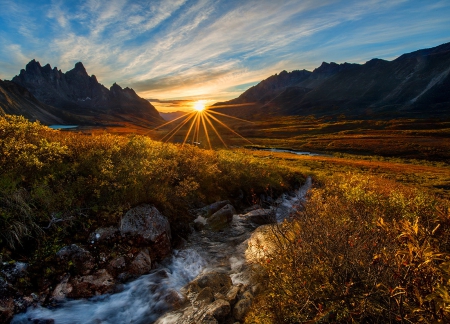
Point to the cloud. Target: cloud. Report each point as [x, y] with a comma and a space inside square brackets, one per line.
[210, 48]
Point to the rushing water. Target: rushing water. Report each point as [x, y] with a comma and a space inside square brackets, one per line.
[144, 300]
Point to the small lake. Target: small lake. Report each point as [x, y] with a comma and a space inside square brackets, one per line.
[63, 126]
[288, 151]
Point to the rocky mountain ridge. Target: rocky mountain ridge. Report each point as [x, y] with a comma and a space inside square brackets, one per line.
[413, 85]
[78, 94]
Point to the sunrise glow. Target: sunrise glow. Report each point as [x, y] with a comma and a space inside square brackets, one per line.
[199, 105]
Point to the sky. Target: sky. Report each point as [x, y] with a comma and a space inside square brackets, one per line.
[177, 51]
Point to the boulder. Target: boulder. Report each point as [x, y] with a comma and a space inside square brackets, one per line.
[141, 264]
[261, 216]
[62, 289]
[149, 227]
[204, 297]
[221, 218]
[232, 295]
[219, 309]
[73, 255]
[117, 265]
[99, 283]
[211, 209]
[217, 281]
[241, 308]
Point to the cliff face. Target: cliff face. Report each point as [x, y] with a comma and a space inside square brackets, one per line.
[413, 85]
[16, 100]
[78, 93]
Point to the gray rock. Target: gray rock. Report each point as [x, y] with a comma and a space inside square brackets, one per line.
[117, 264]
[241, 308]
[62, 289]
[221, 218]
[261, 216]
[82, 260]
[148, 226]
[141, 264]
[99, 283]
[211, 209]
[217, 281]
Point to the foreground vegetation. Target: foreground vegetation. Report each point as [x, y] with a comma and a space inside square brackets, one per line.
[362, 250]
[371, 244]
[56, 187]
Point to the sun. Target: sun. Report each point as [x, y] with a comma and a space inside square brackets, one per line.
[199, 105]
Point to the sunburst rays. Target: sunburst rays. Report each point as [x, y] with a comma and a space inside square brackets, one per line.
[202, 122]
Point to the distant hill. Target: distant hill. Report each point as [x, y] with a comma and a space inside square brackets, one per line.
[414, 85]
[172, 115]
[78, 94]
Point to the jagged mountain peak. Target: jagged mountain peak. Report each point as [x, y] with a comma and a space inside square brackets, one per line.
[77, 92]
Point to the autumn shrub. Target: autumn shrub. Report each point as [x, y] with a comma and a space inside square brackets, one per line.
[360, 250]
[65, 183]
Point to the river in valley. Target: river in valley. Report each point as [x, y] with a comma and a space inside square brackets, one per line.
[147, 299]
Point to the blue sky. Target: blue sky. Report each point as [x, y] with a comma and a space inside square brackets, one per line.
[211, 49]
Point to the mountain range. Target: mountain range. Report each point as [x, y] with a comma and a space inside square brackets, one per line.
[50, 96]
[413, 85]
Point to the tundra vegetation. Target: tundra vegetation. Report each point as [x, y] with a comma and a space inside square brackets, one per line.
[371, 243]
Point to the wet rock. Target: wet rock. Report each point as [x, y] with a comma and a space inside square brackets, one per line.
[199, 223]
[261, 244]
[103, 234]
[221, 218]
[261, 216]
[173, 299]
[142, 264]
[204, 297]
[100, 282]
[15, 271]
[211, 209]
[232, 295]
[62, 289]
[77, 257]
[241, 308]
[148, 226]
[116, 265]
[219, 309]
[217, 281]
[219, 295]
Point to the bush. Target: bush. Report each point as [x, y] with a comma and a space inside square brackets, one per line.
[362, 249]
[63, 183]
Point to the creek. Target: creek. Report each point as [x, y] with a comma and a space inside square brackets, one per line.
[150, 297]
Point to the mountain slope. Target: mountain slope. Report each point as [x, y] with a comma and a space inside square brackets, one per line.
[413, 85]
[16, 100]
[80, 94]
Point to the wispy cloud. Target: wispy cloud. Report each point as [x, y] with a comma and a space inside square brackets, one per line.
[208, 48]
